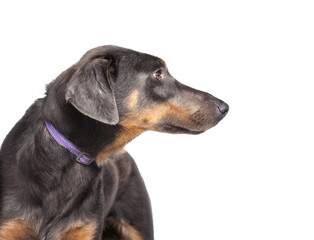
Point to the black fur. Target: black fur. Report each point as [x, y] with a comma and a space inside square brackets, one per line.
[42, 183]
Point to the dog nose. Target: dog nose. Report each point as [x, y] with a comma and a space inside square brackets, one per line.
[223, 107]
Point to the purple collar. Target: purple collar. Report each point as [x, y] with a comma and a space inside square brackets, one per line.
[81, 156]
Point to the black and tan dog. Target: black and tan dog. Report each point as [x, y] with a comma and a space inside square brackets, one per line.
[99, 104]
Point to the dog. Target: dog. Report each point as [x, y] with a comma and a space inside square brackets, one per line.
[64, 172]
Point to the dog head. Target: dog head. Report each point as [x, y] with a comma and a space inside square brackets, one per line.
[120, 86]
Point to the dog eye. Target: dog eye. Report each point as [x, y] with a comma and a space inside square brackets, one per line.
[158, 75]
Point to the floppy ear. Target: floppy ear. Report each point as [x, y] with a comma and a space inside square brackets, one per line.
[90, 91]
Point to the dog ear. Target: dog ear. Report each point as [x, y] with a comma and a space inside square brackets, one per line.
[90, 91]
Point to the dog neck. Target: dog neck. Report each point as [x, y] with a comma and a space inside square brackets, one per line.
[97, 139]
[81, 157]
[124, 136]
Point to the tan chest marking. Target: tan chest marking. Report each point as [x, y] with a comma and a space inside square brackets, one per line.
[79, 232]
[17, 229]
[128, 232]
[123, 229]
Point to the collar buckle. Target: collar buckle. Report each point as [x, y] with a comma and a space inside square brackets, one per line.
[84, 158]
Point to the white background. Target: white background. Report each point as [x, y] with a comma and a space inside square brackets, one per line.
[250, 177]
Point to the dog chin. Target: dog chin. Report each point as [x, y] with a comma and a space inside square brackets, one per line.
[169, 128]
[186, 129]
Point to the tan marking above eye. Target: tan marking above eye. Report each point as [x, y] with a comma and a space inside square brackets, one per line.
[162, 62]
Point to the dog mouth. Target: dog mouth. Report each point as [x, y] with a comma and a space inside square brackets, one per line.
[176, 129]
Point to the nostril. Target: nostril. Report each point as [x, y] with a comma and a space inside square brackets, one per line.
[223, 107]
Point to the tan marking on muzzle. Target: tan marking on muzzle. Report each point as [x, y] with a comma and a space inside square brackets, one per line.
[151, 116]
[136, 123]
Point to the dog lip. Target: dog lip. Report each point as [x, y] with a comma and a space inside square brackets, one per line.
[177, 129]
